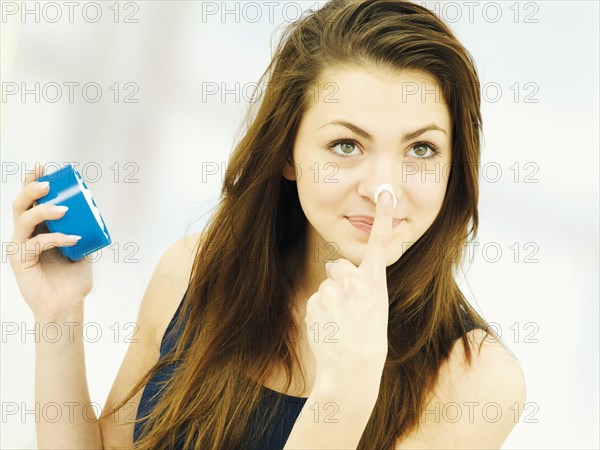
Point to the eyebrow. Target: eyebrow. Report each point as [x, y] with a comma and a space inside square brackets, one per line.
[408, 136]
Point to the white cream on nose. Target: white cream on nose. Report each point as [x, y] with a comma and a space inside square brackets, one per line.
[385, 187]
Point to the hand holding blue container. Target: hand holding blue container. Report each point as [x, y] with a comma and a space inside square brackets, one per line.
[67, 188]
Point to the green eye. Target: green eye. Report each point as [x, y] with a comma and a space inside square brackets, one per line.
[348, 144]
[420, 150]
[345, 144]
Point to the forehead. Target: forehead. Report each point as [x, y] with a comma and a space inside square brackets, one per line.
[378, 98]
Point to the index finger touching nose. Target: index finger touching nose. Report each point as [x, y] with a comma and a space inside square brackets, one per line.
[375, 257]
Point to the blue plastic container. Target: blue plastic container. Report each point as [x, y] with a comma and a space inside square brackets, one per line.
[82, 219]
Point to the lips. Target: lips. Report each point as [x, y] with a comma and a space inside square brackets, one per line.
[368, 220]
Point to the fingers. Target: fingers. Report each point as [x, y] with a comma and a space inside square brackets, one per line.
[28, 253]
[314, 308]
[30, 192]
[33, 175]
[28, 220]
[337, 269]
[374, 261]
[31, 237]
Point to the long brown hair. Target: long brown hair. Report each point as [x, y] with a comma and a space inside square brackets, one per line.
[239, 322]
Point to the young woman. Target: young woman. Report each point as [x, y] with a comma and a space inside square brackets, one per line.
[246, 339]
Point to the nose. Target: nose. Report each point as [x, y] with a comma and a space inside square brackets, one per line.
[379, 176]
[385, 187]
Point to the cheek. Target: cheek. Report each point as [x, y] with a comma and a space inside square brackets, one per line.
[321, 183]
[426, 197]
[321, 191]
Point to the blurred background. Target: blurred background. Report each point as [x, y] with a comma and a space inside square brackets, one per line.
[147, 100]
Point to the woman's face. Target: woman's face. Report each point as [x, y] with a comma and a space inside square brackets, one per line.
[377, 117]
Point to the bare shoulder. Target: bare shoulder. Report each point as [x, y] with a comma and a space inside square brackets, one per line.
[161, 298]
[172, 277]
[472, 406]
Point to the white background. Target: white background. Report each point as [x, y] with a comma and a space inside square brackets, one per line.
[547, 309]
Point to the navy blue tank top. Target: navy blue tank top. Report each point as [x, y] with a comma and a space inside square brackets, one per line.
[277, 432]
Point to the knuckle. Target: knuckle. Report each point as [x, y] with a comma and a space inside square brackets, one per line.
[27, 215]
[328, 290]
[383, 238]
[16, 206]
[347, 282]
[19, 220]
[324, 283]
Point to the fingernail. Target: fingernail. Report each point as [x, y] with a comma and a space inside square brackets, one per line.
[60, 208]
[73, 237]
[41, 185]
[387, 199]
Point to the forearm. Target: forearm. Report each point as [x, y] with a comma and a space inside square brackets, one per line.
[343, 414]
[67, 419]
